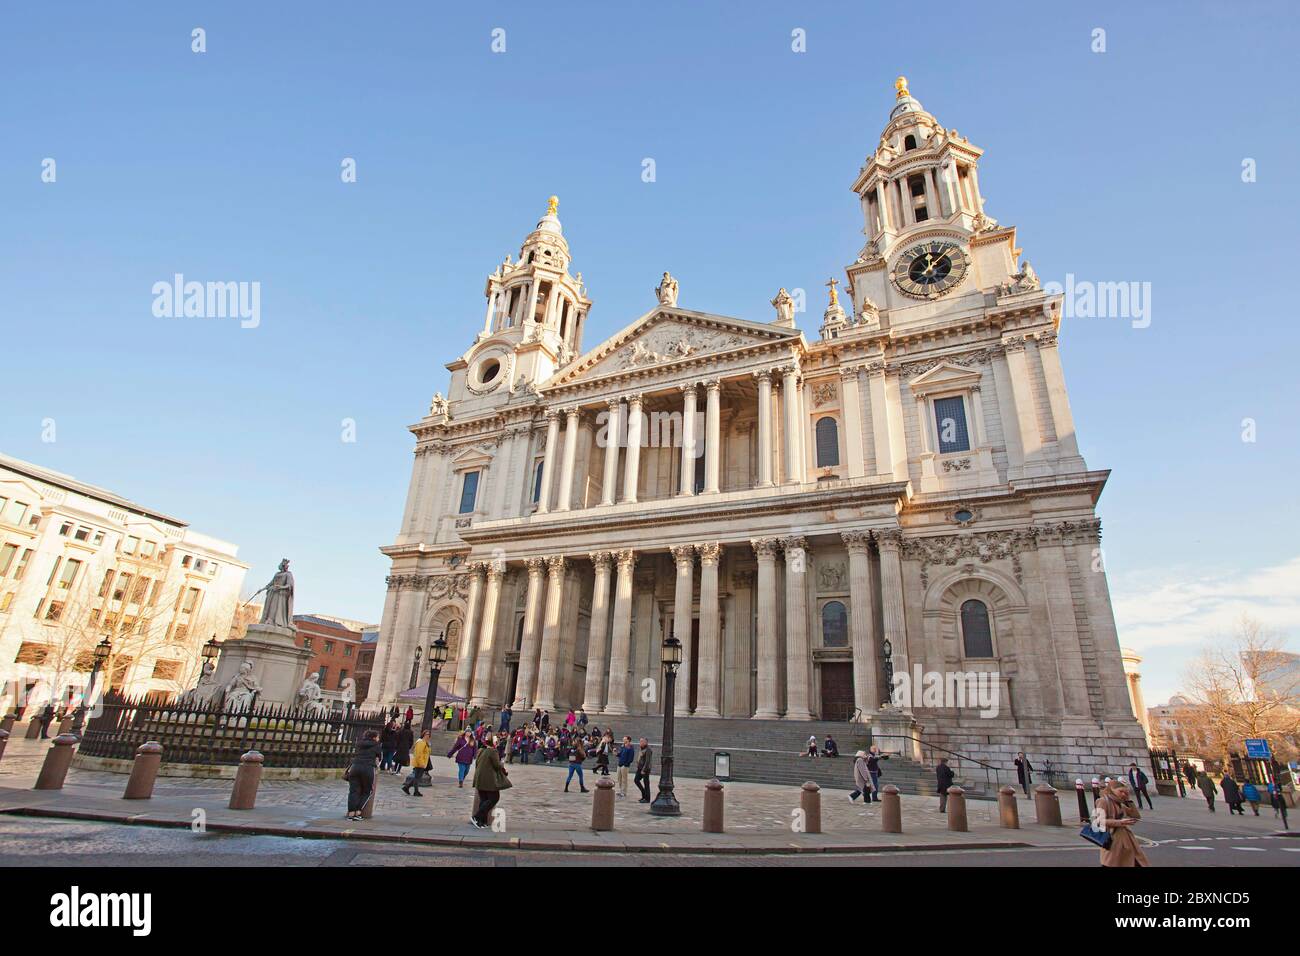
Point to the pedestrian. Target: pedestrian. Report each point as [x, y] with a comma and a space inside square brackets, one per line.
[626, 753]
[1137, 782]
[490, 778]
[576, 756]
[602, 754]
[1277, 799]
[1232, 795]
[1024, 771]
[830, 748]
[410, 713]
[861, 777]
[1208, 788]
[874, 756]
[1120, 815]
[943, 773]
[402, 755]
[463, 751]
[361, 773]
[644, 765]
[545, 720]
[419, 762]
[388, 745]
[47, 715]
[570, 719]
[506, 716]
[1189, 771]
[582, 717]
[1251, 793]
[810, 750]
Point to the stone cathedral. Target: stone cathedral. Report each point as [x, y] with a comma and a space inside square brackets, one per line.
[902, 495]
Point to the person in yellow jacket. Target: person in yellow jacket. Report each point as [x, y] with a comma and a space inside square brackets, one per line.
[419, 764]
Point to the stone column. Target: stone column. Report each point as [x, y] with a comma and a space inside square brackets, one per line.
[891, 599]
[503, 468]
[482, 685]
[621, 646]
[712, 436]
[851, 404]
[688, 440]
[632, 460]
[613, 432]
[570, 455]
[706, 704]
[764, 380]
[796, 629]
[547, 667]
[768, 690]
[593, 698]
[683, 598]
[866, 683]
[1049, 357]
[793, 431]
[532, 640]
[549, 460]
[469, 634]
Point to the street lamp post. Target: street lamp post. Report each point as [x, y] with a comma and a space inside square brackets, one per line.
[437, 657]
[102, 650]
[887, 651]
[210, 652]
[665, 804]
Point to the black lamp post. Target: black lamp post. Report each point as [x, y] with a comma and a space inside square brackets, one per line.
[210, 652]
[437, 657]
[102, 651]
[887, 649]
[415, 669]
[665, 804]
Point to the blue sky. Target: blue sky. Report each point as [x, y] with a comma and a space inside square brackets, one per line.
[1118, 166]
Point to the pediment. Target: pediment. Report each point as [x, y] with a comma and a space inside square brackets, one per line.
[667, 336]
[944, 376]
[471, 458]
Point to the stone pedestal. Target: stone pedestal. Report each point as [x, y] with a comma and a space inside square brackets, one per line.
[896, 730]
[278, 664]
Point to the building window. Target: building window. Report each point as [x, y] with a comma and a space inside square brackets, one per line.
[166, 670]
[347, 652]
[5, 600]
[14, 512]
[306, 643]
[828, 442]
[132, 545]
[22, 564]
[7, 558]
[54, 611]
[69, 575]
[950, 422]
[191, 599]
[187, 561]
[537, 481]
[54, 571]
[324, 672]
[329, 647]
[343, 675]
[835, 625]
[976, 634]
[469, 492]
[82, 533]
[65, 529]
[699, 465]
[98, 539]
[909, 142]
[123, 583]
[148, 548]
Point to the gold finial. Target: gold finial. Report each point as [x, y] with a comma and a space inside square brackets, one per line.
[552, 205]
[835, 295]
[900, 84]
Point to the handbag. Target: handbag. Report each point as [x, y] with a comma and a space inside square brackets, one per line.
[1100, 837]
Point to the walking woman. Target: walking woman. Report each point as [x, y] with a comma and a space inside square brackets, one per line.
[1117, 804]
[577, 754]
[463, 752]
[361, 773]
[490, 778]
[419, 763]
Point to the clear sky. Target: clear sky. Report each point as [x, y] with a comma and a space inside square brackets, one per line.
[1117, 166]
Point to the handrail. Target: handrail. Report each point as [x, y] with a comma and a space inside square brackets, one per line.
[989, 781]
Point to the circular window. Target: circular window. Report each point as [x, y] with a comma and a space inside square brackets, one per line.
[488, 371]
[962, 516]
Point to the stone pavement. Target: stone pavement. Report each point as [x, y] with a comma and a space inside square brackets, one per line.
[537, 813]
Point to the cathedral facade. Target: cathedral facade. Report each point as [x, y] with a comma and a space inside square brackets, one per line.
[898, 501]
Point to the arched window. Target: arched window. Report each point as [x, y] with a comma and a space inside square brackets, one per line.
[835, 625]
[976, 635]
[537, 481]
[452, 638]
[828, 442]
[909, 142]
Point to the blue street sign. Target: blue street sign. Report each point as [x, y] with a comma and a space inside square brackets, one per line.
[1257, 748]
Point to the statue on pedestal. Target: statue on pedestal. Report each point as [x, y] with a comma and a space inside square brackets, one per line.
[348, 694]
[206, 687]
[278, 609]
[242, 689]
[666, 290]
[309, 697]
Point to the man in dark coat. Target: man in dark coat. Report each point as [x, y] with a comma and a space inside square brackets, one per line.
[490, 778]
[1137, 782]
[1024, 772]
[1232, 795]
[644, 764]
[1189, 771]
[47, 715]
[945, 777]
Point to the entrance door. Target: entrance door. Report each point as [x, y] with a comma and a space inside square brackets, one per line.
[512, 682]
[695, 662]
[837, 690]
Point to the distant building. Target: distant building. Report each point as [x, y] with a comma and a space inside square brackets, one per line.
[1178, 725]
[80, 564]
[1132, 662]
[335, 650]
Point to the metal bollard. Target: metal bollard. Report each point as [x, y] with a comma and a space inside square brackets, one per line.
[368, 810]
[57, 760]
[7, 723]
[1008, 812]
[713, 806]
[65, 724]
[810, 802]
[1084, 815]
[602, 805]
[4, 740]
[1047, 808]
[243, 795]
[144, 771]
[33, 729]
[957, 809]
[891, 810]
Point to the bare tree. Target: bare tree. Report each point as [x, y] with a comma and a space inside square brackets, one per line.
[1245, 684]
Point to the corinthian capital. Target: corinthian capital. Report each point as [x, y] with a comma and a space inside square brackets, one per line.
[765, 547]
[535, 565]
[890, 539]
[858, 542]
[626, 560]
[602, 559]
[555, 563]
[683, 554]
[710, 553]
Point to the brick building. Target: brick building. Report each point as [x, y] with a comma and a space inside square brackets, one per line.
[335, 650]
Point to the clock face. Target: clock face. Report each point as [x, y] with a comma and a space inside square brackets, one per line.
[929, 270]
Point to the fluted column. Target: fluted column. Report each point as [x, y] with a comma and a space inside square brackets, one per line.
[688, 440]
[891, 602]
[683, 598]
[706, 704]
[768, 690]
[532, 639]
[621, 647]
[764, 380]
[465, 656]
[796, 629]
[570, 456]
[613, 430]
[793, 432]
[866, 684]
[712, 436]
[548, 460]
[548, 666]
[593, 698]
[482, 685]
[632, 460]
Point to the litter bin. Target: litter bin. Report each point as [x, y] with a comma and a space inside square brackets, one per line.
[722, 764]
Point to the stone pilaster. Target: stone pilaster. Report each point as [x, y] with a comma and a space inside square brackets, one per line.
[683, 598]
[593, 698]
[797, 677]
[621, 644]
[481, 689]
[866, 682]
[465, 656]
[764, 380]
[768, 690]
[549, 460]
[632, 458]
[547, 668]
[689, 393]
[707, 685]
[712, 436]
[613, 430]
[890, 542]
[572, 420]
[532, 639]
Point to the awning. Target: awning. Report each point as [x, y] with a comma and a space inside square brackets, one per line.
[422, 692]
